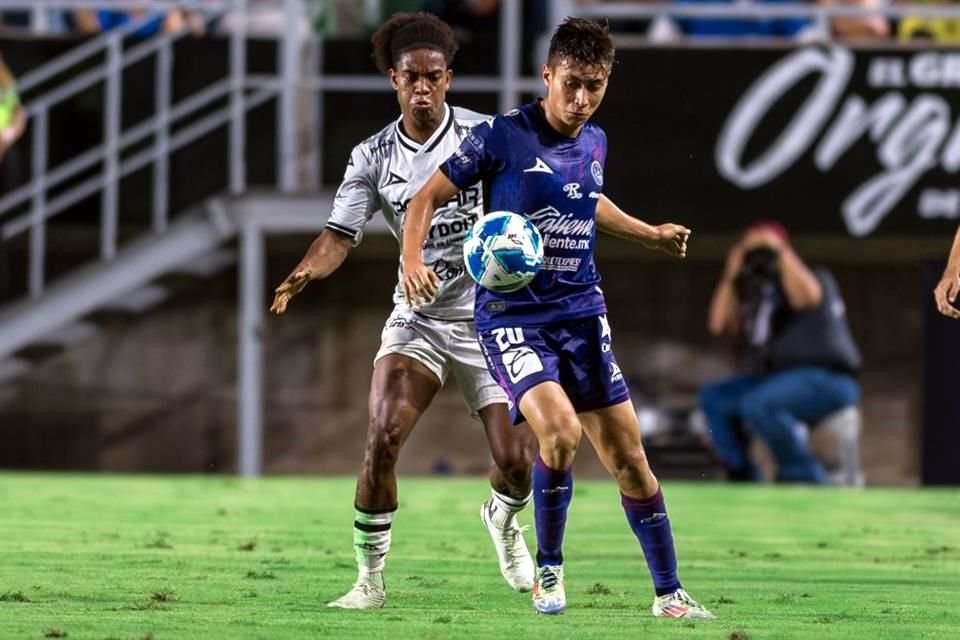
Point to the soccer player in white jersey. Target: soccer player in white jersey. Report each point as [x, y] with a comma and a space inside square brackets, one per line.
[549, 344]
[419, 346]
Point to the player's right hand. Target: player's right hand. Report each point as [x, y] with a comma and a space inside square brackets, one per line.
[290, 287]
[946, 294]
[420, 284]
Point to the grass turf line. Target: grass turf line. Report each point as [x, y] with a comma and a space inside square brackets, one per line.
[144, 557]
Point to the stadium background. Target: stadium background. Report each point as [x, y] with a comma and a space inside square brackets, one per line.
[157, 390]
[165, 184]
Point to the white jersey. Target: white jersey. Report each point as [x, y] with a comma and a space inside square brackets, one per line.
[384, 172]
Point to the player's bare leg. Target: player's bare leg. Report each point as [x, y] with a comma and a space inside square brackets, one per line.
[555, 424]
[401, 390]
[615, 434]
[513, 448]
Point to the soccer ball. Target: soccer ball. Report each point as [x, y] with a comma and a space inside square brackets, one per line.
[503, 251]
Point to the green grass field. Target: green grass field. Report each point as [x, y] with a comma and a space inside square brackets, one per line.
[97, 557]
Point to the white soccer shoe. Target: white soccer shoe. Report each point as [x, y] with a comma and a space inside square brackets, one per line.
[516, 565]
[549, 596]
[680, 605]
[368, 592]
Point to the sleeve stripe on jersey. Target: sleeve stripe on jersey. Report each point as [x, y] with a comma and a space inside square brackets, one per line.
[443, 133]
[339, 228]
[445, 171]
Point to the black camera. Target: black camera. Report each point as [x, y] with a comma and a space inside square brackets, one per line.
[760, 267]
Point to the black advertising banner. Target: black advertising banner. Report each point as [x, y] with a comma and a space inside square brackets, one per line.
[827, 139]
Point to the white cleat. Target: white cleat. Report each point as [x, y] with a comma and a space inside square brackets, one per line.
[516, 565]
[367, 593]
[680, 605]
[549, 596]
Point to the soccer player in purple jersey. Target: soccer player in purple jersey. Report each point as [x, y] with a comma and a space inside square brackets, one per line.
[549, 344]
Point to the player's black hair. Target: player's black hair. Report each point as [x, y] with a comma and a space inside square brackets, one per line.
[584, 41]
[406, 31]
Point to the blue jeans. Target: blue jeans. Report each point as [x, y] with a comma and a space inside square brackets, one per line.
[772, 408]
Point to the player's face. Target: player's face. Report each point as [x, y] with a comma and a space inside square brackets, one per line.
[574, 91]
[421, 79]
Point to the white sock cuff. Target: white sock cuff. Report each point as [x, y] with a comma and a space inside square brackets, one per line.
[508, 503]
[378, 517]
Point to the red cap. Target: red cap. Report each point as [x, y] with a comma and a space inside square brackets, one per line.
[769, 225]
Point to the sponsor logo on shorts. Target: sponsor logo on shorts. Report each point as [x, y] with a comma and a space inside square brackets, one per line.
[400, 322]
[521, 362]
[615, 373]
[605, 335]
[604, 327]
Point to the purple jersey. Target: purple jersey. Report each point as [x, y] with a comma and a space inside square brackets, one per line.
[555, 182]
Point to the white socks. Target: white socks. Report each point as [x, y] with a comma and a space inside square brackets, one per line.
[371, 539]
[505, 507]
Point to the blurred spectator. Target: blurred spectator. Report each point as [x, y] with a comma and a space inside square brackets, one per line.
[708, 27]
[13, 120]
[862, 28]
[480, 19]
[17, 20]
[469, 17]
[625, 25]
[90, 22]
[352, 19]
[13, 117]
[799, 28]
[800, 360]
[936, 30]
[265, 19]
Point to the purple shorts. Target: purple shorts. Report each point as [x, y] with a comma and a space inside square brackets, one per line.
[576, 354]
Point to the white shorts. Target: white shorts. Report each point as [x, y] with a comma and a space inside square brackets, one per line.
[443, 346]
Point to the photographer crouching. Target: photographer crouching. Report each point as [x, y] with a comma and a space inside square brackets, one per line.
[799, 360]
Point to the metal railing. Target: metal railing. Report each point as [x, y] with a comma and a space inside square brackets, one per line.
[284, 86]
[158, 128]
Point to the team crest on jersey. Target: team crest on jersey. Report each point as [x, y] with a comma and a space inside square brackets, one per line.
[597, 172]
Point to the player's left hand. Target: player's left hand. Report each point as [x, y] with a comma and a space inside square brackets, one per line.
[671, 239]
[946, 294]
[420, 284]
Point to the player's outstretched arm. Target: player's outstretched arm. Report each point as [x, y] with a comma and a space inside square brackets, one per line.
[669, 238]
[325, 255]
[949, 286]
[420, 284]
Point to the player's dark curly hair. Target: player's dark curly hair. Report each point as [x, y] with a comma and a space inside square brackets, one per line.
[406, 31]
[584, 41]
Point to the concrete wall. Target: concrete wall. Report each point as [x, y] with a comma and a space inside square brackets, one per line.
[156, 392]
